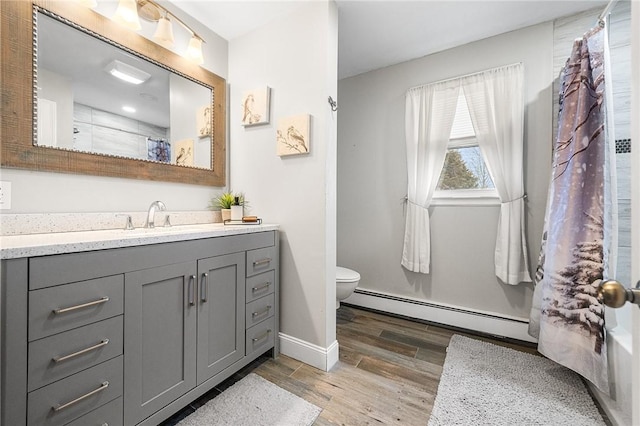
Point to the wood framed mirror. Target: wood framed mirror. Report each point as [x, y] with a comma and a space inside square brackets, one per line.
[19, 133]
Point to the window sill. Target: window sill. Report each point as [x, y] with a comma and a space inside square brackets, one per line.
[465, 198]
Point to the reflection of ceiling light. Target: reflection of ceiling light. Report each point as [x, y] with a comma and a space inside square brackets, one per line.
[194, 50]
[127, 14]
[127, 72]
[127, 108]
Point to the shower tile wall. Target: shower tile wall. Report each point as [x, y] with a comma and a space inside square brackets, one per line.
[95, 131]
[566, 30]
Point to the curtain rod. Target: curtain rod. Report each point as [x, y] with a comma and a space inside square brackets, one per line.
[606, 10]
[464, 76]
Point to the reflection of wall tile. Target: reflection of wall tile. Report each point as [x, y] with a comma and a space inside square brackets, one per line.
[150, 130]
[82, 113]
[102, 118]
[114, 142]
[108, 133]
[82, 139]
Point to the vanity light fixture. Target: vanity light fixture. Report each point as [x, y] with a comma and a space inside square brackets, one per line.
[88, 3]
[127, 14]
[127, 108]
[152, 11]
[164, 32]
[194, 50]
[127, 72]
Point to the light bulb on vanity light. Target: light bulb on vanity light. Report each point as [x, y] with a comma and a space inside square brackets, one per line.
[127, 14]
[164, 32]
[194, 50]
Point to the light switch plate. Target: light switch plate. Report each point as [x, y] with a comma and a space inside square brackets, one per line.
[5, 195]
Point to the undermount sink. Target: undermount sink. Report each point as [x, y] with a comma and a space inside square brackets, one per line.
[160, 230]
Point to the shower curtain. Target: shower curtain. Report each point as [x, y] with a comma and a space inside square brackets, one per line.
[580, 220]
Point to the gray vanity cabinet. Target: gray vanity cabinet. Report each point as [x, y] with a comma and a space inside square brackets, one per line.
[160, 338]
[220, 313]
[135, 333]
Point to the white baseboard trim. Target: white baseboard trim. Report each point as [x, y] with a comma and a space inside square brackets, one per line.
[456, 316]
[316, 356]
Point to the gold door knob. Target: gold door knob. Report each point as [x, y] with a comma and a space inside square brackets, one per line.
[615, 295]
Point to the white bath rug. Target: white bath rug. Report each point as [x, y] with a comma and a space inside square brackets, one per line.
[257, 402]
[485, 384]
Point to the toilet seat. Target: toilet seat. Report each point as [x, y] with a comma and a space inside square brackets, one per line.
[345, 275]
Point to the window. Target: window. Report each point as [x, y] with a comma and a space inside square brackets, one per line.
[465, 174]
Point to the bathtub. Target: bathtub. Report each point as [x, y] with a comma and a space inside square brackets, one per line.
[618, 404]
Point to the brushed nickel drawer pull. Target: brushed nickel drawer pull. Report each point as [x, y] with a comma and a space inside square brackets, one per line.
[265, 334]
[190, 291]
[260, 262]
[260, 287]
[83, 305]
[104, 342]
[102, 387]
[204, 287]
[264, 311]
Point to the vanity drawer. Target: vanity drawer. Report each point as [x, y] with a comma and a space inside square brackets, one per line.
[110, 414]
[65, 400]
[61, 355]
[261, 260]
[77, 304]
[260, 337]
[259, 310]
[260, 285]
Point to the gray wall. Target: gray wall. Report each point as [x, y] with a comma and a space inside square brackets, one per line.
[297, 192]
[372, 179]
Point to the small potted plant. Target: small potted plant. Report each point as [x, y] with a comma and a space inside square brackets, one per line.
[224, 201]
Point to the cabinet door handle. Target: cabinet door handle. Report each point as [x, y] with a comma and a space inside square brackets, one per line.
[190, 290]
[261, 262]
[260, 287]
[104, 342]
[204, 287]
[81, 306]
[264, 311]
[60, 407]
[265, 334]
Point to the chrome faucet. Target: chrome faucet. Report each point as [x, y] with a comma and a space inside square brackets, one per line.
[152, 212]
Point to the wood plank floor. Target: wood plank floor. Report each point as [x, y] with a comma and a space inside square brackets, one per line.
[388, 372]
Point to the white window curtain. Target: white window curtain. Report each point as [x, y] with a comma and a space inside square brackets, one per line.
[429, 114]
[496, 104]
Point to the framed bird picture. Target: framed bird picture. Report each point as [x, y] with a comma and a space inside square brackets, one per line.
[292, 135]
[183, 153]
[255, 106]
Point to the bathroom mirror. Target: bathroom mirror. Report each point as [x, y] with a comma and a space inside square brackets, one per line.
[65, 107]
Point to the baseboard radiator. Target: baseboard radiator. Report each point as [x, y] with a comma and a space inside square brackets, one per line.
[449, 315]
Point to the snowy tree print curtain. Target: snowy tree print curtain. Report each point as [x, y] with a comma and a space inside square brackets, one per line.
[566, 317]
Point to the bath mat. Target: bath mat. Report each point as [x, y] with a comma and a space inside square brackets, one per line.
[254, 401]
[485, 384]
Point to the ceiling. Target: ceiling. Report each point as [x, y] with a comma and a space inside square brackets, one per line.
[377, 33]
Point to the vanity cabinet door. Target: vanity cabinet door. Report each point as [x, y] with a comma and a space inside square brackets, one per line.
[160, 338]
[221, 290]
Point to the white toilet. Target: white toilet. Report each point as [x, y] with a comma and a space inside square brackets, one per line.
[346, 282]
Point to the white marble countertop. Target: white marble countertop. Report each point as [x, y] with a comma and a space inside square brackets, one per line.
[16, 246]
